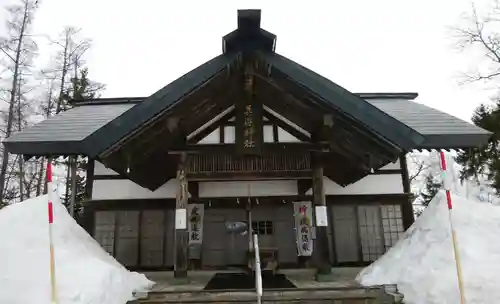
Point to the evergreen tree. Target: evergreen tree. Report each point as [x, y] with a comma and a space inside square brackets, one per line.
[484, 160]
[431, 189]
[479, 31]
[82, 89]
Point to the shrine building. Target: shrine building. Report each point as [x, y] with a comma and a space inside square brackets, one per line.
[248, 138]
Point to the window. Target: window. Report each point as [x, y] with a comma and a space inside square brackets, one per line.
[263, 227]
[392, 223]
[380, 227]
[370, 232]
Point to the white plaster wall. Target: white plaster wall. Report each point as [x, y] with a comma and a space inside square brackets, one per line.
[268, 135]
[371, 184]
[126, 189]
[284, 136]
[392, 166]
[100, 169]
[257, 188]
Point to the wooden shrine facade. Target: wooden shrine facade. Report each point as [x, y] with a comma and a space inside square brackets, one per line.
[272, 123]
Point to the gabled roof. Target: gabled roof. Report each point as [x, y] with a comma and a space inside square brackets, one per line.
[441, 130]
[363, 131]
[339, 98]
[65, 133]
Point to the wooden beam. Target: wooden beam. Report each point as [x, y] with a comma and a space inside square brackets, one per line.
[266, 148]
[289, 95]
[280, 123]
[250, 176]
[321, 247]
[181, 232]
[209, 129]
[303, 116]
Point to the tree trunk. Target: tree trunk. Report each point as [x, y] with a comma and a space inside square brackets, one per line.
[13, 91]
[19, 128]
[63, 76]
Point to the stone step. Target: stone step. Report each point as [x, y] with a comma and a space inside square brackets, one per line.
[295, 295]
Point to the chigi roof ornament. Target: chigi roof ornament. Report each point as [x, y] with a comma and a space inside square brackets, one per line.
[249, 36]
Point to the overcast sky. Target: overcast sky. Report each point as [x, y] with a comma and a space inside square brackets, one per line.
[364, 46]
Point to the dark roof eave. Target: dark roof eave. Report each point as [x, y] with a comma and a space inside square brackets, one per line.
[454, 141]
[46, 148]
[380, 122]
[395, 95]
[157, 103]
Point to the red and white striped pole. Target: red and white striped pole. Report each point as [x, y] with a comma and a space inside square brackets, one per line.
[50, 194]
[453, 234]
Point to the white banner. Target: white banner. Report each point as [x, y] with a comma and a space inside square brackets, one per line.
[303, 227]
[180, 219]
[195, 220]
[321, 216]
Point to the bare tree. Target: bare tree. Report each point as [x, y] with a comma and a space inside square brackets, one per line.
[479, 32]
[18, 49]
[418, 166]
[47, 107]
[71, 49]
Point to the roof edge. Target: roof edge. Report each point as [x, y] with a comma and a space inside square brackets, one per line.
[105, 101]
[122, 100]
[391, 95]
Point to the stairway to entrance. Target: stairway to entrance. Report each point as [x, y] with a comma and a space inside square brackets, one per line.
[296, 295]
[292, 286]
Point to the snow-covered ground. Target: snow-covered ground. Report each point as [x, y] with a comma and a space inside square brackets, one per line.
[85, 273]
[422, 263]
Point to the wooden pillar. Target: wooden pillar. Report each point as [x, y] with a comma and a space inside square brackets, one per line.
[406, 205]
[89, 184]
[248, 209]
[181, 232]
[321, 247]
[72, 202]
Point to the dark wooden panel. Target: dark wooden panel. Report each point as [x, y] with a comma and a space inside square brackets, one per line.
[127, 237]
[104, 230]
[229, 163]
[152, 238]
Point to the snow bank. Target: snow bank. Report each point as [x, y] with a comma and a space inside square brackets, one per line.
[85, 273]
[422, 263]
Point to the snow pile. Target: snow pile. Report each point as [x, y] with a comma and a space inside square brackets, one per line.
[85, 273]
[422, 263]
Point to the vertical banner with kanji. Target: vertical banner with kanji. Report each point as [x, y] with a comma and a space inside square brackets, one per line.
[195, 223]
[249, 132]
[303, 227]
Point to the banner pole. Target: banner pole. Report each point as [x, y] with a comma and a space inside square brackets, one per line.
[456, 252]
[50, 193]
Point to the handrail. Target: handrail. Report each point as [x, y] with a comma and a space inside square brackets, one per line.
[258, 274]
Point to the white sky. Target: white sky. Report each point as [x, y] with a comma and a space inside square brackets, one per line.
[362, 45]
